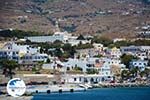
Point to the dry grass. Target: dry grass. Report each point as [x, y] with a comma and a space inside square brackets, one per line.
[116, 24]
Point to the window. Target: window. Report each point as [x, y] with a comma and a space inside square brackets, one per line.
[75, 79]
[14, 53]
[80, 79]
[5, 53]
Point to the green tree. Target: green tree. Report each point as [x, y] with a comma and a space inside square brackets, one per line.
[103, 40]
[126, 59]
[125, 74]
[81, 37]
[58, 52]
[69, 51]
[84, 46]
[145, 73]
[8, 67]
[78, 68]
[92, 71]
[48, 60]
[134, 71]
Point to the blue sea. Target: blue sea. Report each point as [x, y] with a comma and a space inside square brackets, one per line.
[99, 94]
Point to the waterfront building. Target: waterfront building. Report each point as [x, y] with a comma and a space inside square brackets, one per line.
[72, 63]
[86, 78]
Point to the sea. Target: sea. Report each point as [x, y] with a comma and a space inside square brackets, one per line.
[140, 93]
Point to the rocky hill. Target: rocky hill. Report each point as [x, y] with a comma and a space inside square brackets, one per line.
[112, 18]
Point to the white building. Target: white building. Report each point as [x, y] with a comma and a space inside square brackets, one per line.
[142, 55]
[83, 53]
[22, 49]
[118, 40]
[134, 50]
[35, 57]
[84, 78]
[21, 53]
[75, 42]
[72, 63]
[141, 64]
[113, 53]
[10, 54]
[105, 70]
[130, 50]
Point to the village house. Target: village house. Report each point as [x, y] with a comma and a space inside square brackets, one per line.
[82, 53]
[82, 78]
[134, 49]
[103, 66]
[141, 64]
[21, 53]
[118, 40]
[113, 52]
[9, 54]
[130, 50]
[99, 48]
[142, 55]
[142, 52]
[22, 49]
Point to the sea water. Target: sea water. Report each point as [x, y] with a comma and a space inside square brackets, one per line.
[141, 93]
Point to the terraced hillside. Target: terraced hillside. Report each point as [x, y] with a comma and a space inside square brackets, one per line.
[113, 18]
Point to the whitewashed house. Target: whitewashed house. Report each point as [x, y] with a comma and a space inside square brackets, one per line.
[75, 42]
[86, 78]
[113, 53]
[22, 49]
[135, 50]
[35, 57]
[22, 53]
[141, 64]
[72, 63]
[105, 70]
[9, 54]
[130, 50]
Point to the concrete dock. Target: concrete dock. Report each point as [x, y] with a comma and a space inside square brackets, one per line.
[54, 88]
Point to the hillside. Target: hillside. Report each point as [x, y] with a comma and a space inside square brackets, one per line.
[113, 18]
